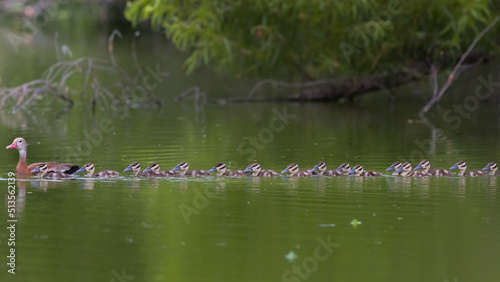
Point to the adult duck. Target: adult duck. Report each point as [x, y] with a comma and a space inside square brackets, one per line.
[23, 169]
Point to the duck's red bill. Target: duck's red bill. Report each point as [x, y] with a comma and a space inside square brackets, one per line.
[12, 146]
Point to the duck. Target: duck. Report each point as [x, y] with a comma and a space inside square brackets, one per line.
[153, 170]
[42, 170]
[425, 165]
[462, 167]
[492, 167]
[89, 168]
[135, 167]
[344, 169]
[320, 169]
[358, 170]
[220, 168]
[394, 166]
[183, 167]
[405, 170]
[254, 169]
[293, 170]
[23, 169]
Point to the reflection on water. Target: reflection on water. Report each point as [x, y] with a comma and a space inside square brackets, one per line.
[240, 229]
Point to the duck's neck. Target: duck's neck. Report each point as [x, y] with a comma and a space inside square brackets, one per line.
[90, 173]
[182, 172]
[426, 169]
[42, 173]
[22, 159]
[136, 173]
[221, 172]
[462, 171]
[493, 172]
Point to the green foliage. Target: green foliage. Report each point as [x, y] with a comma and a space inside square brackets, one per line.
[318, 38]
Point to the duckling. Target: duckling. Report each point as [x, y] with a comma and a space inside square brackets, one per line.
[358, 170]
[462, 166]
[43, 171]
[425, 165]
[293, 170]
[135, 167]
[255, 170]
[320, 169]
[405, 170]
[344, 169]
[183, 167]
[492, 167]
[89, 168]
[394, 166]
[220, 168]
[153, 170]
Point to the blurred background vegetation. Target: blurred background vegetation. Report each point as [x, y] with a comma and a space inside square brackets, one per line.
[329, 50]
[310, 40]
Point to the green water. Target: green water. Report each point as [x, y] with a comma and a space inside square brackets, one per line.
[241, 229]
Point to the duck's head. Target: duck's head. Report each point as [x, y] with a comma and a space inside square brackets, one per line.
[253, 169]
[405, 168]
[424, 164]
[18, 143]
[153, 167]
[345, 168]
[461, 165]
[41, 169]
[292, 169]
[394, 166]
[182, 166]
[88, 167]
[357, 170]
[491, 166]
[135, 167]
[319, 167]
[220, 168]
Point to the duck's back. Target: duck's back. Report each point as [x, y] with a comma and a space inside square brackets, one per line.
[332, 173]
[440, 172]
[236, 172]
[107, 174]
[197, 172]
[268, 173]
[371, 173]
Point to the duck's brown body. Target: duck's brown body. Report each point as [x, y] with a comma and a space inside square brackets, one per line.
[23, 169]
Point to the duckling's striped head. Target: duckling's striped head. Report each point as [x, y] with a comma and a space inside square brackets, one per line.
[461, 165]
[394, 166]
[220, 168]
[88, 167]
[344, 168]
[292, 169]
[357, 170]
[135, 167]
[491, 166]
[182, 166]
[154, 167]
[319, 167]
[405, 168]
[253, 169]
[424, 164]
[41, 169]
